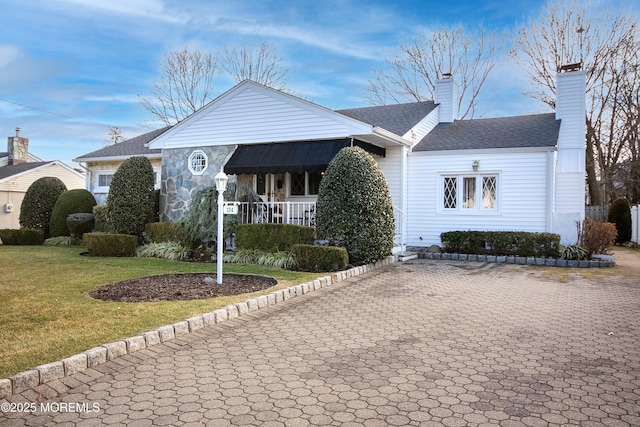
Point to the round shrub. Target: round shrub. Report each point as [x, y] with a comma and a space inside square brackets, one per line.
[620, 215]
[70, 202]
[80, 223]
[354, 208]
[38, 203]
[130, 203]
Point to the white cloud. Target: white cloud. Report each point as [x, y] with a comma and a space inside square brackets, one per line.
[151, 9]
[123, 99]
[9, 54]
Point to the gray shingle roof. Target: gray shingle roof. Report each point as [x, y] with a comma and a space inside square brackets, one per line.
[131, 147]
[538, 130]
[4, 154]
[11, 170]
[396, 118]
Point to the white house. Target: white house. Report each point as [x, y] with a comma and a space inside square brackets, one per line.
[523, 173]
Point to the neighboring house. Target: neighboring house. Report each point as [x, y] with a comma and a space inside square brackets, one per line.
[102, 164]
[18, 170]
[513, 173]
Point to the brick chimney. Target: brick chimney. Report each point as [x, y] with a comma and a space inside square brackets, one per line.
[18, 149]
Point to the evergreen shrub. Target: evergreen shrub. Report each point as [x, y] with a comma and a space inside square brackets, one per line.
[272, 237]
[319, 259]
[517, 243]
[100, 217]
[620, 216]
[160, 232]
[354, 208]
[69, 202]
[38, 203]
[130, 203]
[22, 236]
[111, 245]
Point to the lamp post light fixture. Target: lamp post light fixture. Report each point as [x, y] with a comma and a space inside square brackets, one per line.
[221, 185]
[476, 164]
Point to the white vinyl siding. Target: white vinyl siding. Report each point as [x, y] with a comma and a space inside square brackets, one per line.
[252, 114]
[521, 189]
[391, 168]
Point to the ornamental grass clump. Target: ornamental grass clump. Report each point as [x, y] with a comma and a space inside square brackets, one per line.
[354, 208]
[173, 251]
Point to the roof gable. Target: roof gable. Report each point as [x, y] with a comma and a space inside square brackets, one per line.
[538, 130]
[252, 113]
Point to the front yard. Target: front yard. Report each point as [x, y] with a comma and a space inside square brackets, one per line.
[46, 314]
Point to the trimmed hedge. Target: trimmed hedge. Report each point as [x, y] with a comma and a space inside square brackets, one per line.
[161, 232]
[22, 236]
[516, 243]
[318, 259]
[100, 217]
[106, 244]
[70, 202]
[272, 237]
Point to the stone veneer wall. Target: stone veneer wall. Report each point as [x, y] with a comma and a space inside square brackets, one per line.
[179, 185]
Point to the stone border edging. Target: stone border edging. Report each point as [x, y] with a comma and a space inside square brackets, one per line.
[549, 262]
[43, 374]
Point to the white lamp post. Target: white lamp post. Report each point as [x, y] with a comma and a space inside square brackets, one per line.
[221, 185]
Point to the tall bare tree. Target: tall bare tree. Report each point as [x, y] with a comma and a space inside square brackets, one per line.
[186, 84]
[412, 72]
[188, 79]
[603, 39]
[262, 64]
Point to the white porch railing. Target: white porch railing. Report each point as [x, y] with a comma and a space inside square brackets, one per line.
[399, 218]
[298, 213]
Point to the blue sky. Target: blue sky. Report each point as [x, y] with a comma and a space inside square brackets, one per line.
[79, 64]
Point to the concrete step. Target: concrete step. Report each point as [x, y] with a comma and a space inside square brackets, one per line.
[407, 256]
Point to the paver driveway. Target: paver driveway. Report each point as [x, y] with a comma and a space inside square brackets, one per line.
[420, 343]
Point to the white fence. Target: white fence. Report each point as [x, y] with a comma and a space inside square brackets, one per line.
[635, 225]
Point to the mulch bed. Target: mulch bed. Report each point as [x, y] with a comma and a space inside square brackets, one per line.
[180, 287]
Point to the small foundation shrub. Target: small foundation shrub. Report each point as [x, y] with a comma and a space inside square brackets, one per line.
[515, 243]
[113, 245]
[272, 237]
[160, 232]
[319, 259]
[22, 236]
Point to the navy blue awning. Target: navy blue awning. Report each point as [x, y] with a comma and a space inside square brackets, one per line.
[292, 157]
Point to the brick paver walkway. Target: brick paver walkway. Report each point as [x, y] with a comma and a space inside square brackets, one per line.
[420, 343]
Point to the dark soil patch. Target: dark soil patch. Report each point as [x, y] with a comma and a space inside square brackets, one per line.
[180, 287]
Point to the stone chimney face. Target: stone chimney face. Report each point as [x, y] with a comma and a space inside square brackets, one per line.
[18, 149]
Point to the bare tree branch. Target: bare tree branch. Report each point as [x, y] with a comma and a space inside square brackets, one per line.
[262, 65]
[412, 73]
[571, 31]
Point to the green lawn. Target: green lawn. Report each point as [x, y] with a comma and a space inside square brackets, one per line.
[46, 314]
